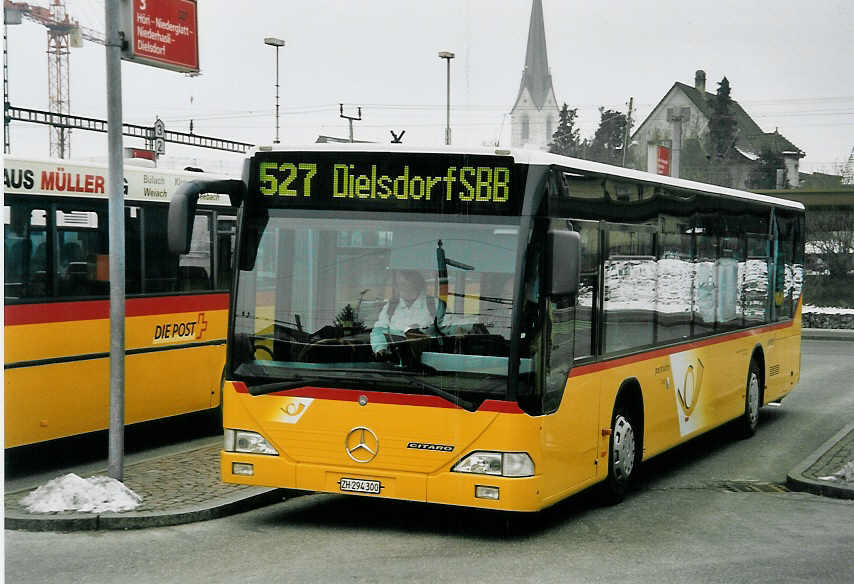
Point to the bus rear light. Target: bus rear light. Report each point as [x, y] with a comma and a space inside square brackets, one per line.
[247, 442]
[242, 468]
[504, 464]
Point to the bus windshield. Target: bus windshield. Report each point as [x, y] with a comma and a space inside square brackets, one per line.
[409, 305]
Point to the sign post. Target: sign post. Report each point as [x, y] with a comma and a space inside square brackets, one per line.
[160, 33]
[116, 214]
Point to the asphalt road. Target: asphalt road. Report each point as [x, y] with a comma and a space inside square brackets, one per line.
[713, 510]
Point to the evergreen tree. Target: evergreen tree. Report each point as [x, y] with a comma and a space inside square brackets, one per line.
[764, 174]
[607, 145]
[566, 139]
[722, 124]
[697, 164]
[348, 320]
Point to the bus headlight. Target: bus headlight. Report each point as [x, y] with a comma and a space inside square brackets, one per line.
[248, 442]
[502, 464]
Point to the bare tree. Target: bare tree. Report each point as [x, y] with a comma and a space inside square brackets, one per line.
[830, 236]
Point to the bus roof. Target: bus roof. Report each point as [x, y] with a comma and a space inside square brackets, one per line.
[537, 157]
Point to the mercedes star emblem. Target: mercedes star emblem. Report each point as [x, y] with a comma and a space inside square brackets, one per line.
[361, 444]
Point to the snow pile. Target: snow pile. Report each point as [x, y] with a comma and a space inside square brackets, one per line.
[846, 473]
[823, 317]
[96, 494]
[827, 310]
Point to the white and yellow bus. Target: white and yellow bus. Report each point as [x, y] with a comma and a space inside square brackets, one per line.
[56, 299]
[586, 319]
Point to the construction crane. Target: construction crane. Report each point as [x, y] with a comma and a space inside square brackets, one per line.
[63, 34]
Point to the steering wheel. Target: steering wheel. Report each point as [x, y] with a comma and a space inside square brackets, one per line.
[322, 343]
[263, 349]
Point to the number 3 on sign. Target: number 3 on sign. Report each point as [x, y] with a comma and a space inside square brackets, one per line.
[276, 179]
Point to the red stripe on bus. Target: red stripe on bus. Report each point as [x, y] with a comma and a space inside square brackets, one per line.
[168, 304]
[602, 365]
[352, 395]
[17, 314]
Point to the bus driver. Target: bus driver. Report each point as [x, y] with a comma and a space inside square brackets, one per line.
[408, 311]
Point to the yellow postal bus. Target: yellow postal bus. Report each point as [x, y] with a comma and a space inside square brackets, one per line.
[56, 299]
[584, 319]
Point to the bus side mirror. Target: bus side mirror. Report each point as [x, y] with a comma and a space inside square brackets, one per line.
[182, 208]
[563, 262]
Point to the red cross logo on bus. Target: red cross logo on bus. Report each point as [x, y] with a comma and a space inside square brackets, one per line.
[201, 325]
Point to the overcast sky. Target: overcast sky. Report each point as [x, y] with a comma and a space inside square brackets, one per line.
[789, 64]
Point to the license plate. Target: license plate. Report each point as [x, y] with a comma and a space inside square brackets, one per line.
[360, 486]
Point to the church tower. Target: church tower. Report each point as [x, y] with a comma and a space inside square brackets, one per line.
[534, 115]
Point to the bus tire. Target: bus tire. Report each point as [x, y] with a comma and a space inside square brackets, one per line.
[749, 420]
[623, 454]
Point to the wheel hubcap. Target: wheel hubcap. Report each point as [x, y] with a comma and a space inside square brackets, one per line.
[624, 448]
[753, 399]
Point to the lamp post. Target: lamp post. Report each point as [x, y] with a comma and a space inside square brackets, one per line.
[447, 55]
[275, 42]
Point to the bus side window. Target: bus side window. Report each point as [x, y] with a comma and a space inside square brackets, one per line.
[754, 283]
[587, 299]
[26, 252]
[705, 283]
[674, 296]
[133, 251]
[194, 268]
[226, 229]
[629, 288]
[730, 257]
[160, 267]
[786, 271]
[81, 239]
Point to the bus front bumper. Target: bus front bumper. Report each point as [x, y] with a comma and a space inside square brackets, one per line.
[444, 487]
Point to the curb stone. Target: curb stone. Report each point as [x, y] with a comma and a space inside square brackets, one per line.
[67, 522]
[827, 334]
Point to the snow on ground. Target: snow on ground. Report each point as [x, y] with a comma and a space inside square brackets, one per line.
[98, 494]
[846, 473]
[827, 310]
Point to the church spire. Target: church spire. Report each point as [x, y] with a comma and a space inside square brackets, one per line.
[536, 77]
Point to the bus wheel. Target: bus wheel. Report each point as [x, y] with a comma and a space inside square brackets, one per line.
[623, 455]
[752, 399]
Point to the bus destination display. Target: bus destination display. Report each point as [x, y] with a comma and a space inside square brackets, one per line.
[431, 183]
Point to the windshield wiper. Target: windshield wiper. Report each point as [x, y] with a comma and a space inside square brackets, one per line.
[299, 381]
[435, 389]
[293, 382]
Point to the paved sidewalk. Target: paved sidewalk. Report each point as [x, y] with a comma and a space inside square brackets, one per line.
[176, 488]
[818, 473]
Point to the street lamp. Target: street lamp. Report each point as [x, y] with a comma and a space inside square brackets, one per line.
[447, 55]
[274, 42]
